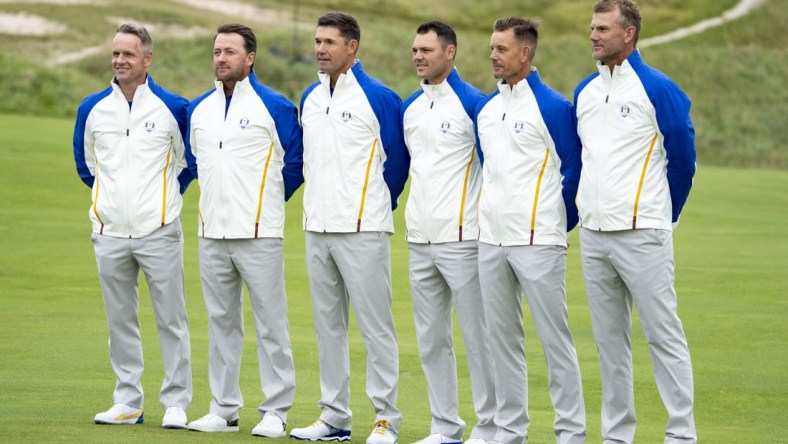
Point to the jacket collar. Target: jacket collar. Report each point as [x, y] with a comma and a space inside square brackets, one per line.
[240, 87]
[622, 70]
[348, 78]
[443, 88]
[522, 87]
[140, 89]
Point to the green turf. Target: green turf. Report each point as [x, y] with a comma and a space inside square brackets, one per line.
[55, 374]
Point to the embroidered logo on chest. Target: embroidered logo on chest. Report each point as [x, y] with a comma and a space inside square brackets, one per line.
[244, 122]
[624, 111]
[346, 116]
[445, 127]
[150, 125]
[519, 126]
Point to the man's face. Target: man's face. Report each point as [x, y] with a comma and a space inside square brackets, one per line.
[433, 62]
[334, 55]
[129, 61]
[508, 56]
[610, 40]
[231, 62]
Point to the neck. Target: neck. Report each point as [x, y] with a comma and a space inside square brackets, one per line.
[519, 77]
[438, 80]
[128, 89]
[229, 87]
[619, 60]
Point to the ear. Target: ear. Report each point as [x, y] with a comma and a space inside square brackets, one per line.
[451, 51]
[526, 53]
[147, 59]
[352, 46]
[250, 59]
[629, 34]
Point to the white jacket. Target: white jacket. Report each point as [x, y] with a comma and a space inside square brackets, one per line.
[132, 156]
[531, 164]
[248, 159]
[445, 172]
[355, 161]
[638, 148]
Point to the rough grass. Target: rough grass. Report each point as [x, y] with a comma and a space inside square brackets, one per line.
[731, 262]
[734, 74]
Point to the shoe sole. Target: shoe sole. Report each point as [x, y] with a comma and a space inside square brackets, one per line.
[229, 429]
[174, 426]
[268, 435]
[323, 438]
[132, 421]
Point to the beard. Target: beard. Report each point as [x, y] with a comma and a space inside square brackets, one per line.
[233, 75]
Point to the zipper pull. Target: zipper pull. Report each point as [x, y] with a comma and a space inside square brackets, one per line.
[503, 117]
[327, 109]
[607, 97]
[432, 103]
[220, 144]
[127, 132]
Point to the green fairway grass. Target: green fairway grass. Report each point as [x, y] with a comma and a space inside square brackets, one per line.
[731, 254]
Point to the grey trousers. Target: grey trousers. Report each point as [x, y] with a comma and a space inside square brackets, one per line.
[160, 256]
[539, 271]
[225, 264]
[637, 265]
[353, 268]
[441, 276]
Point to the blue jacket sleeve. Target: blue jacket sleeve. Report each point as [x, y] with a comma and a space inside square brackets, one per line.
[397, 165]
[559, 116]
[185, 177]
[673, 117]
[291, 138]
[567, 145]
[191, 160]
[79, 145]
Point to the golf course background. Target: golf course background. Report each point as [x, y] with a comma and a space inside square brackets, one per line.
[731, 247]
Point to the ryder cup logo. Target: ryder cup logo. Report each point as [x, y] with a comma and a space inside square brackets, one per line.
[445, 127]
[346, 116]
[519, 126]
[150, 126]
[624, 111]
[243, 123]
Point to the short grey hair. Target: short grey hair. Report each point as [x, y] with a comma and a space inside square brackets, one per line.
[139, 31]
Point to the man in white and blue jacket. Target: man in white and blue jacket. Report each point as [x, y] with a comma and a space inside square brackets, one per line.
[638, 162]
[531, 164]
[441, 218]
[247, 148]
[355, 167]
[129, 148]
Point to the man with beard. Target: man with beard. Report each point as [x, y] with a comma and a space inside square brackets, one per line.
[246, 142]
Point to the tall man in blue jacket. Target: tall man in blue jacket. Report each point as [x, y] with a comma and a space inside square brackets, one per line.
[441, 217]
[128, 147]
[531, 165]
[355, 166]
[247, 145]
[638, 163]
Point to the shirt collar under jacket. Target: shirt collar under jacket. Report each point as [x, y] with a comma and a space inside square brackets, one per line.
[622, 70]
[522, 87]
